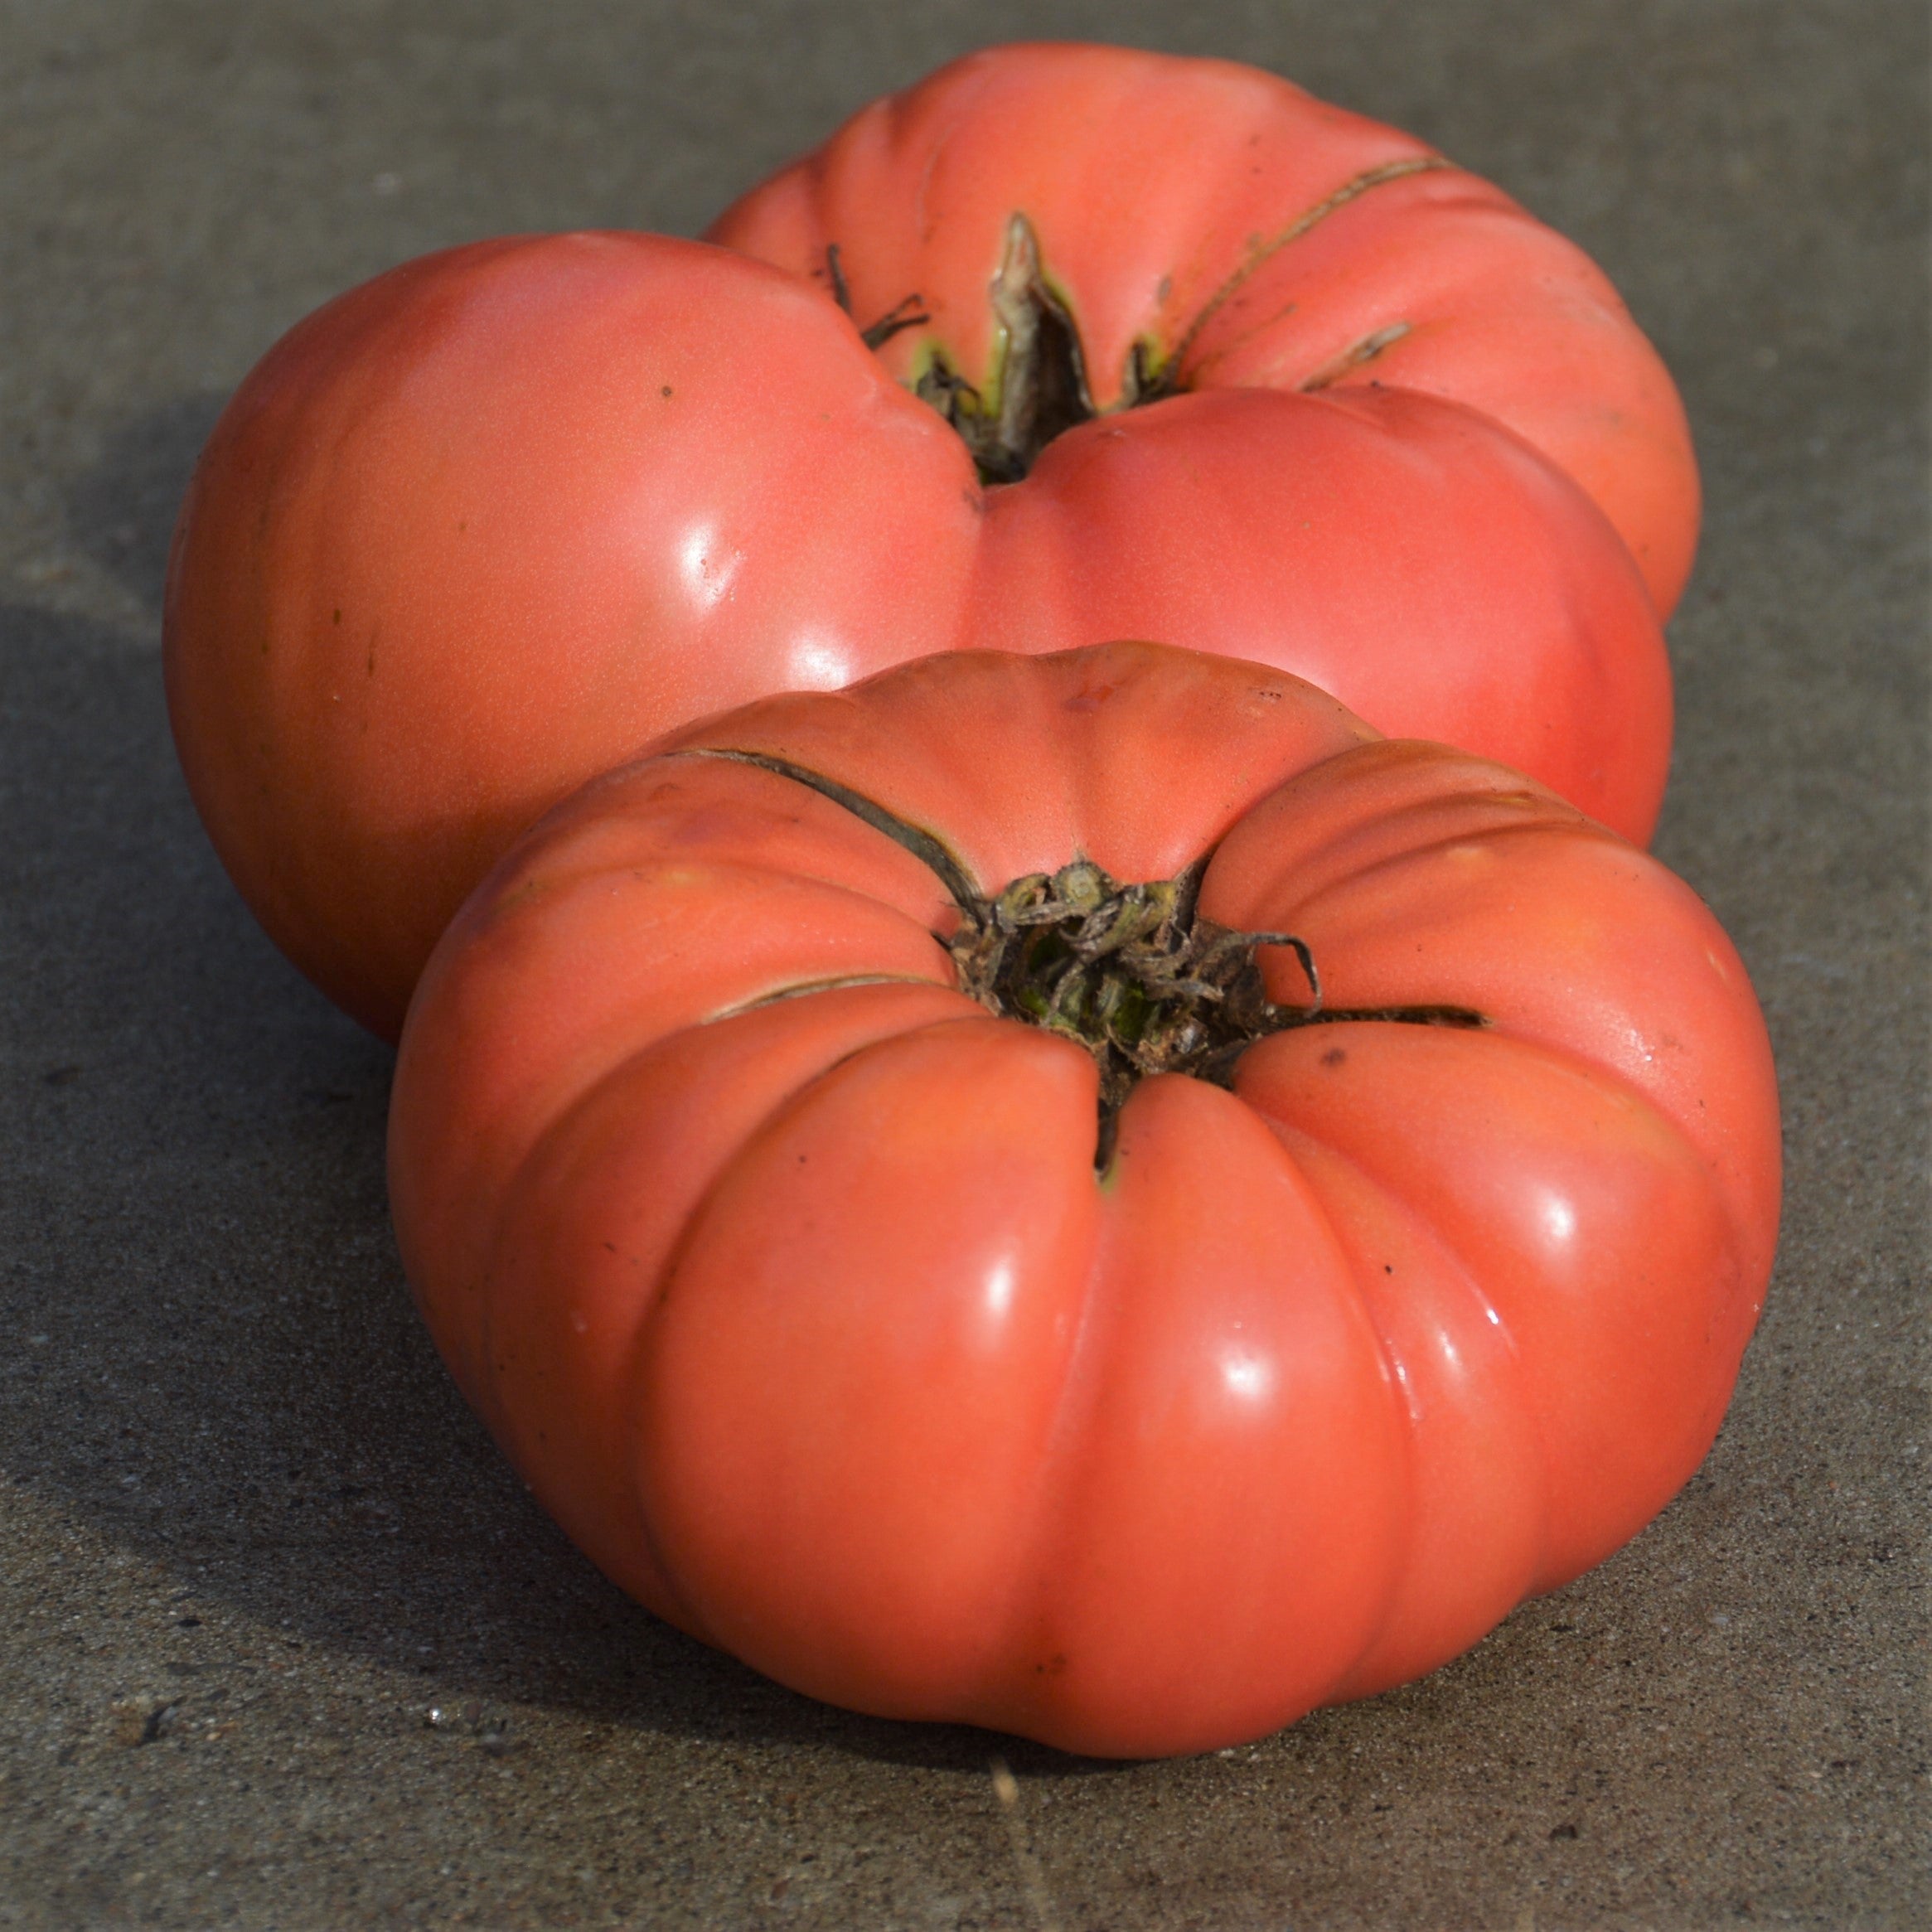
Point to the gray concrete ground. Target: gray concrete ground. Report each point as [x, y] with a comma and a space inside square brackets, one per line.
[286, 1646]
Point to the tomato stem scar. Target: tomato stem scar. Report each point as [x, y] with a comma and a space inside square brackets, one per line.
[1128, 970]
[1037, 388]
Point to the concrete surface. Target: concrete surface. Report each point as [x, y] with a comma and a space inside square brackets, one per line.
[286, 1646]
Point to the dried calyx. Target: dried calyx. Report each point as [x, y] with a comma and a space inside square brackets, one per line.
[1037, 388]
[1131, 972]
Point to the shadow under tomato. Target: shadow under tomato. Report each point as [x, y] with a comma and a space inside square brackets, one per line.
[222, 1371]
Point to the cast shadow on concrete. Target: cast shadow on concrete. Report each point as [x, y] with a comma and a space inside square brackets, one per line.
[230, 1382]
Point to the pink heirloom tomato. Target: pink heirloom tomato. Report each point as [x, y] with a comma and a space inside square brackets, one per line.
[1090, 1194]
[1064, 343]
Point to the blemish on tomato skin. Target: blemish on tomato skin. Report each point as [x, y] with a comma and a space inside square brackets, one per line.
[1335, 1055]
[1088, 700]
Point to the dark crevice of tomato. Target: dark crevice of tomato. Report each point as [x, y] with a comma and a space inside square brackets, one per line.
[1038, 387]
[1130, 972]
[1148, 378]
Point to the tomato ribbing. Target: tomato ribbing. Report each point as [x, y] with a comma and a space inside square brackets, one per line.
[1128, 970]
[779, 1267]
[474, 532]
[1037, 388]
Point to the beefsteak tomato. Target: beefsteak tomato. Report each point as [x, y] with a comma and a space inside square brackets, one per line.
[1191, 357]
[965, 1286]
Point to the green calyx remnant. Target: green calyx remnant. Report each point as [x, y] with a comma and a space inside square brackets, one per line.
[1038, 387]
[1131, 972]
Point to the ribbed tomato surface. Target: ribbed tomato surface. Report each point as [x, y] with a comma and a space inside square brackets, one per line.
[786, 1273]
[482, 528]
[1226, 231]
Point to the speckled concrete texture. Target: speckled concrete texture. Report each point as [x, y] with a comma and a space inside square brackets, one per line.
[286, 1643]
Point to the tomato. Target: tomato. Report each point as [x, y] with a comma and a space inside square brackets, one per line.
[834, 1188]
[1203, 227]
[481, 528]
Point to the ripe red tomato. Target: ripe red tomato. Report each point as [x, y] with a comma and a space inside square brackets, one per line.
[1201, 227]
[478, 530]
[822, 1306]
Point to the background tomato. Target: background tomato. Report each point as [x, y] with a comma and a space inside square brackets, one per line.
[476, 530]
[826, 1313]
[1203, 226]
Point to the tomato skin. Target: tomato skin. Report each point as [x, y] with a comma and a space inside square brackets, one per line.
[1144, 525]
[783, 1271]
[1235, 226]
[453, 549]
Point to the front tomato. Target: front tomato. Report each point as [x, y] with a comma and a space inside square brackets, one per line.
[1191, 355]
[1088, 1194]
